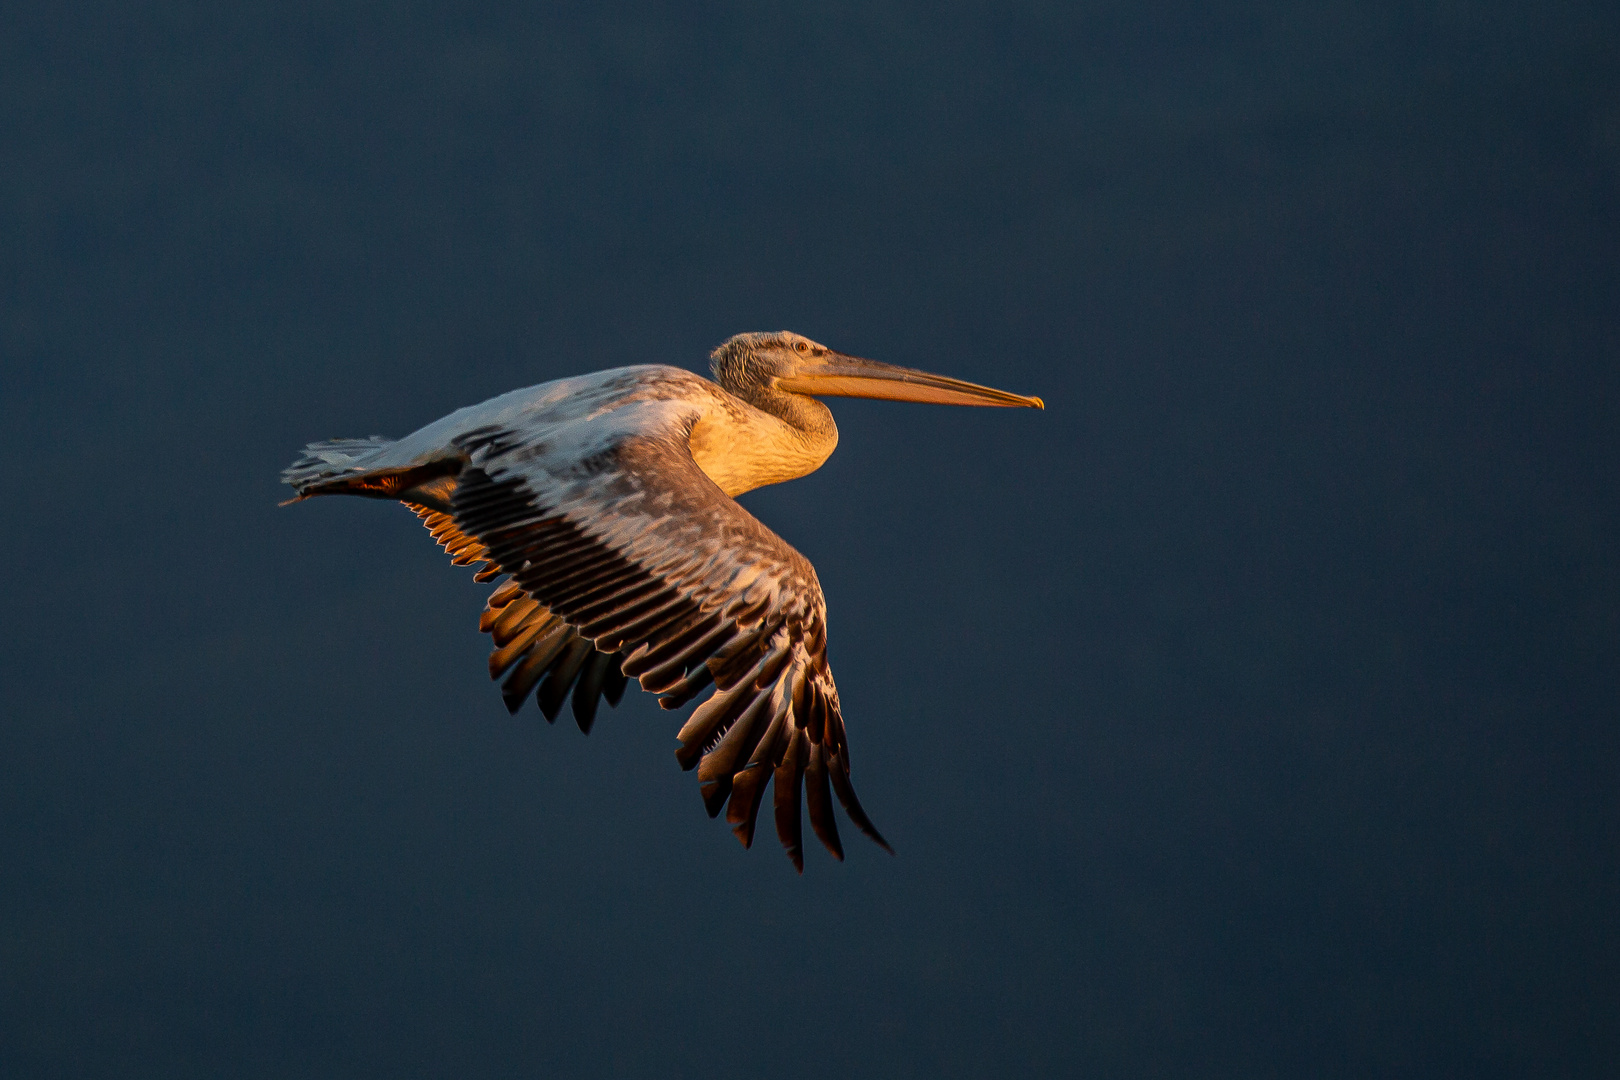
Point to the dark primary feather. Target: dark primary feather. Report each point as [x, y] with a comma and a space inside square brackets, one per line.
[531, 642]
[787, 782]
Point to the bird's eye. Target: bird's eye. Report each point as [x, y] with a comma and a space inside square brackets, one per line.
[799, 345]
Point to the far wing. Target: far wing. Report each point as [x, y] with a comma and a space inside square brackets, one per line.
[641, 554]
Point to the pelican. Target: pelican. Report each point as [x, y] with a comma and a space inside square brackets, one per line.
[607, 501]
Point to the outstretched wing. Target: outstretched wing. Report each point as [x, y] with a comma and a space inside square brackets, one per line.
[535, 646]
[629, 542]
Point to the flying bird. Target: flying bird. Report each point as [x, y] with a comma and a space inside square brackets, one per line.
[607, 503]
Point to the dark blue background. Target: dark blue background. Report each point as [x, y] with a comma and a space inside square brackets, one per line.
[1250, 712]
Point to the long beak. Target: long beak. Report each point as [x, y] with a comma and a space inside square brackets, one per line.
[850, 376]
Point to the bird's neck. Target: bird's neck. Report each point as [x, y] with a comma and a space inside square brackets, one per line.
[762, 436]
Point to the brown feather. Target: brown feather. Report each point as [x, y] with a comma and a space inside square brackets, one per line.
[680, 651]
[838, 770]
[576, 584]
[561, 677]
[815, 722]
[653, 616]
[678, 694]
[515, 691]
[715, 793]
[747, 792]
[505, 656]
[711, 716]
[748, 783]
[789, 775]
[617, 680]
[747, 615]
[737, 742]
[619, 623]
[740, 655]
[589, 689]
[505, 594]
[615, 597]
[818, 801]
[507, 626]
[570, 577]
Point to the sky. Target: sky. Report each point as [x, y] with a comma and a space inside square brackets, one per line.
[1249, 712]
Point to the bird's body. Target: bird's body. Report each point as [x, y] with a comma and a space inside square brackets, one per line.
[736, 445]
[608, 499]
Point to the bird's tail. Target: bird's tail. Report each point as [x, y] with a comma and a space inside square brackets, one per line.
[332, 460]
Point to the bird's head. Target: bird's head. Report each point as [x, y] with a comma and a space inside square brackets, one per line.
[750, 364]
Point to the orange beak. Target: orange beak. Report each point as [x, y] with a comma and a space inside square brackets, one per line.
[850, 376]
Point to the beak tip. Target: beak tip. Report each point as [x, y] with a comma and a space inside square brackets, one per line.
[1037, 403]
